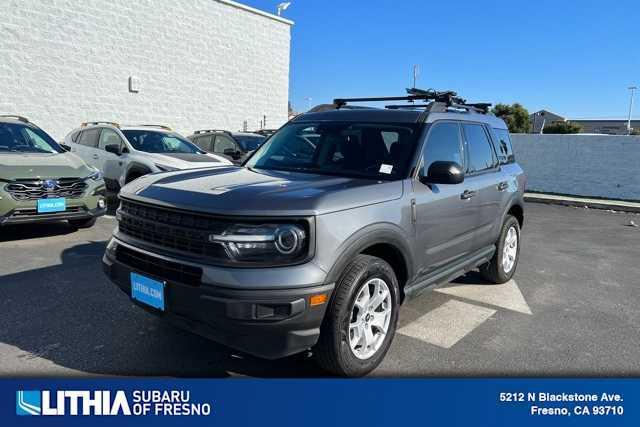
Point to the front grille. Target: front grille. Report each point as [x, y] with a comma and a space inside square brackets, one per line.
[179, 231]
[153, 266]
[33, 212]
[34, 189]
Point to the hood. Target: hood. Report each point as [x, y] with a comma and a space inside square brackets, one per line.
[235, 190]
[28, 165]
[188, 160]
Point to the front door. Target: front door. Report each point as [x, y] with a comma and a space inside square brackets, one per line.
[111, 164]
[444, 223]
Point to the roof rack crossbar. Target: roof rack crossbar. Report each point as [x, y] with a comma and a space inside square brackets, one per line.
[15, 116]
[156, 126]
[440, 99]
[99, 122]
[210, 130]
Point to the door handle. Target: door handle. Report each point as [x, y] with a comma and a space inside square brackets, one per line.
[503, 186]
[467, 194]
[95, 156]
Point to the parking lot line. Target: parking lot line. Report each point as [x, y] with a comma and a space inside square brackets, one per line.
[447, 324]
[506, 296]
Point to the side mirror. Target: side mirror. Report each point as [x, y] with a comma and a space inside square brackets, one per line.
[229, 152]
[113, 148]
[65, 147]
[443, 173]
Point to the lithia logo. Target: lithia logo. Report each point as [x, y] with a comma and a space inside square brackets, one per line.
[107, 402]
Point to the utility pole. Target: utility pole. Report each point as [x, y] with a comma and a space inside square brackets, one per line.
[632, 89]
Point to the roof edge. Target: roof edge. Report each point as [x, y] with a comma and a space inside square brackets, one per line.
[256, 11]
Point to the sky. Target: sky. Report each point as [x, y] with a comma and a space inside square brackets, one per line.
[574, 58]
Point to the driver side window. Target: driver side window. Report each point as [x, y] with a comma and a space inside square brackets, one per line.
[443, 144]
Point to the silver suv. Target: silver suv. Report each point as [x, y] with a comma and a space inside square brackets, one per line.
[333, 223]
[124, 153]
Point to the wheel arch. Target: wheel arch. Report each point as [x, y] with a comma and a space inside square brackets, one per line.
[137, 169]
[385, 241]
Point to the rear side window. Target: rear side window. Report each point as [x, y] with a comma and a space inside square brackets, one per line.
[443, 144]
[480, 152]
[503, 146]
[204, 142]
[75, 135]
[89, 138]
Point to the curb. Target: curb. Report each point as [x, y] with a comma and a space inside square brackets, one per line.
[552, 199]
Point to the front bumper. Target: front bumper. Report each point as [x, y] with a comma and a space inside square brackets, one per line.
[269, 323]
[25, 211]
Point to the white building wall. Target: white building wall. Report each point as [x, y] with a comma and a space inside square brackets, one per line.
[582, 165]
[200, 63]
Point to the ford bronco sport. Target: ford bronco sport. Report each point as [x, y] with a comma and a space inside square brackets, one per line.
[326, 230]
[41, 181]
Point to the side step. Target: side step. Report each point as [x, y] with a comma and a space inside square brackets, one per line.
[450, 272]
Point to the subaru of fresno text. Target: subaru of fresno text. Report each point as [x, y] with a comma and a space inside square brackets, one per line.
[334, 222]
[124, 153]
[41, 181]
[235, 146]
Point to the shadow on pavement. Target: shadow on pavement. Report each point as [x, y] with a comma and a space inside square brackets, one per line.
[9, 233]
[71, 315]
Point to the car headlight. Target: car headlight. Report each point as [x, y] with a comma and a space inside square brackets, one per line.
[165, 168]
[264, 243]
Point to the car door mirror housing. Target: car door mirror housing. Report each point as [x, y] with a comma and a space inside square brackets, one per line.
[229, 152]
[443, 173]
[113, 148]
[65, 147]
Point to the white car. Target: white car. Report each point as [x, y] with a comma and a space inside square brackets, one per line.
[124, 153]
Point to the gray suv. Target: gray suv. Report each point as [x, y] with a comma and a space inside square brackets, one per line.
[333, 223]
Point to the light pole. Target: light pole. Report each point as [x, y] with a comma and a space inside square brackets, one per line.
[632, 89]
[283, 6]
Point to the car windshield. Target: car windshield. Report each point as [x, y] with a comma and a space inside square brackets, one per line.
[159, 142]
[249, 143]
[367, 150]
[21, 138]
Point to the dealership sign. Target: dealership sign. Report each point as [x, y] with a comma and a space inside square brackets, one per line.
[109, 402]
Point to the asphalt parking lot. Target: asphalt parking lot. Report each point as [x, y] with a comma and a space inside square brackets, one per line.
[572, 309]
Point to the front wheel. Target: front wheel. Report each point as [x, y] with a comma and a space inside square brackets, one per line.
[502, 266]
[361, 321]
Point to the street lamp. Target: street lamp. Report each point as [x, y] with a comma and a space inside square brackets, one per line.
[283, 6]
[632, 89]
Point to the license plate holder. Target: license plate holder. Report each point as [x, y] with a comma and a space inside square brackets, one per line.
[58, 204]
[148, 291]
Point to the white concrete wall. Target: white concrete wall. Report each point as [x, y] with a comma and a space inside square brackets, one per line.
[582, 165]
[201, 63]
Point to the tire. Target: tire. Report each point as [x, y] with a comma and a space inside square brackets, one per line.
[333, 351]
[495, 270]
[82, 223]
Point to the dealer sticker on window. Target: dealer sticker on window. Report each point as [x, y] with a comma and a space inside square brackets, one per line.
[386, 168]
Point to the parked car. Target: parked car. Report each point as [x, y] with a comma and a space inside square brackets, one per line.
[333, 223]
[125, 153]
[40, 181]
[235, 146]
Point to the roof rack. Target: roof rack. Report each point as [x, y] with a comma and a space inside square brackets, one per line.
[437, 101]
[210, 130]
[85, 124]
[14, 116]
[156, 126]
[265, 132]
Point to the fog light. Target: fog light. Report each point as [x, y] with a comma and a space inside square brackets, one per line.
[101, 203]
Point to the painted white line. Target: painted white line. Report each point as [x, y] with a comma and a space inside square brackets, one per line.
[447, 324]
[506, 296]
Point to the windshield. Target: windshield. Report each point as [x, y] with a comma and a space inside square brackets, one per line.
[368, 150]
[20, 138]
[249, 143]
[159, 142]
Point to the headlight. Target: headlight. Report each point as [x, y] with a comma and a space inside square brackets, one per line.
[264, 243]
[96, 176]
[165, 168]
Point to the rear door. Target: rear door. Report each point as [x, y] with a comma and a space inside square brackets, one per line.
[88, 147]
[444, 222]
[111, 164]
[482, 180]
